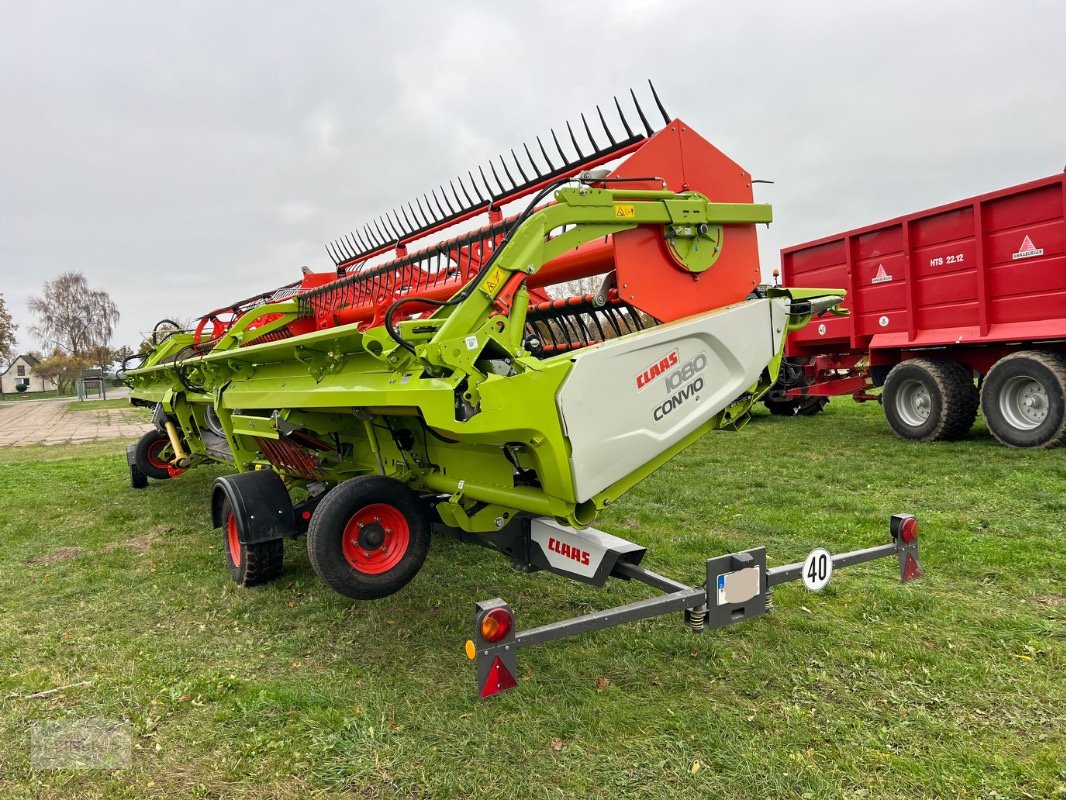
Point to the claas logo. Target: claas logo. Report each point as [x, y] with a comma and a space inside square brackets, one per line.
[657, 369]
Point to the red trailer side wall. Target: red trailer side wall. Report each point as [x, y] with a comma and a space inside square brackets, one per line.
[982, 270]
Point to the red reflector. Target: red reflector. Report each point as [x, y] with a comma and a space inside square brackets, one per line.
[499, 678]
[306, 515]
[911, 570]
[496, 624]
[908, 531]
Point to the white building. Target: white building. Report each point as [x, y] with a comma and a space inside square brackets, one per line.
[21, 372]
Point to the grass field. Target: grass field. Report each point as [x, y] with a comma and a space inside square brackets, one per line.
[954, 686]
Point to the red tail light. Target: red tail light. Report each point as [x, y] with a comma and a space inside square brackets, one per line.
[908, 531]
[496, 624]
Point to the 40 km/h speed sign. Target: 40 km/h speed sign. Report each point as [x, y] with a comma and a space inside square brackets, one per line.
[817, 569]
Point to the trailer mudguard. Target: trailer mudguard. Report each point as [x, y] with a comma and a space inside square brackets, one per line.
[260, 503]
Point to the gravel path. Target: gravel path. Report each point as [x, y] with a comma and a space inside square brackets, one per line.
[53, 422]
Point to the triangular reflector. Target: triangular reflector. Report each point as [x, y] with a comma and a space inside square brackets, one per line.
[911, 570]
[499, 679]
[1027, 245]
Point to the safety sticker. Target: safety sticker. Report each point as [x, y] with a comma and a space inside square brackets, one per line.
[881, 276]
[1028, 250]
[471, 342]
[625, 211]
[493, 281]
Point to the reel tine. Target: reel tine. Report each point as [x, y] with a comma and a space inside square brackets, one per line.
[419, 222]
[332, 255]
[430, 207]
[351, 244]
[573, 139]
[364, 243]
[588, 132]
[381, 234]
[666, 117]
[529, 155]
[469, 202]
[485, 180]
[507, 172]
[426, 212]
[473, 185]
[444, 196]
[412, 225]
[543, 152]
[436, 201]
[396, 235]
[404, 229]
[622, 117]
[518, 164]
[370, 237]
[640, 111]
[497, 177]
[606, 130]
[559, 147]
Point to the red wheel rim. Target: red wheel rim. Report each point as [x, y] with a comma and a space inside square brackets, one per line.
[154, 449]
[375, 538]
[233, 540]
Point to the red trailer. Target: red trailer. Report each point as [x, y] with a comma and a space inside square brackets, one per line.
[975, 287]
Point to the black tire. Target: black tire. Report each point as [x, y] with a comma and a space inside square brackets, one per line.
[368, 537]
[796, 406]
[138, 480]
[926, 400]
[1023, 398]
[249, 564]
[153, 454]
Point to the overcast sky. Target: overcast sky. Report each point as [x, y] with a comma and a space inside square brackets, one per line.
[184, 155]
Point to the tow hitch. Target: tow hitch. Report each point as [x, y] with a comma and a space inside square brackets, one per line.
[737, 588]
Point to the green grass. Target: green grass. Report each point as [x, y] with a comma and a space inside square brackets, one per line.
[951, 687]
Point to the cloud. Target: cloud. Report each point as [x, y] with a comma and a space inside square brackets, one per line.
[186, 156]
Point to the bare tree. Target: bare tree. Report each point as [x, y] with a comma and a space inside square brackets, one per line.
[7, 333]
[73, 316]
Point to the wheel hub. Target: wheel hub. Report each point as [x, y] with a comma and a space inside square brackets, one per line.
[375, 538]
[371, 536]
[1024, 403]
[915, 403]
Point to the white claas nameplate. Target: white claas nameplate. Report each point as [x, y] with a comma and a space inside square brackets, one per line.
[629, 399]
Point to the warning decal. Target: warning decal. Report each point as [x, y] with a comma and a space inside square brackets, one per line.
[1028, 250]
[881, 276]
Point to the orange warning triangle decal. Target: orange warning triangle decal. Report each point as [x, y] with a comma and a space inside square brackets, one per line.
[1027, 245]
[881, 271]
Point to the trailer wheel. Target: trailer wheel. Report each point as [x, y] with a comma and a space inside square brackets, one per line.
[153, 455]
[930, 401]
[138, 480]
[1023, 398]
[249, 564]
[368, 537]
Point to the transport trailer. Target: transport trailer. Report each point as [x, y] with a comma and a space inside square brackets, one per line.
[975, 287]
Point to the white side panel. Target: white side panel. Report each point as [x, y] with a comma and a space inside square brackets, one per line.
[627, 400]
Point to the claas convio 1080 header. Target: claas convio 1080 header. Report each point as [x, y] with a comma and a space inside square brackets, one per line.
[433, 380]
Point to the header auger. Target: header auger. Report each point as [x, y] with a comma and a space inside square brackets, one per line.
[432, 378]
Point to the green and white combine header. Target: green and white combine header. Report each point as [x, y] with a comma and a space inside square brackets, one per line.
[443, 380]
